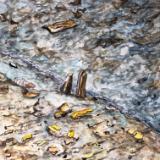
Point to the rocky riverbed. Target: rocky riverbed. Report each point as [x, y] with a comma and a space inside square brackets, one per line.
[117, 42]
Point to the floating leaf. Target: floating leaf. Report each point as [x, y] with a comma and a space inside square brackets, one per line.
[27, 136]
[81, 113]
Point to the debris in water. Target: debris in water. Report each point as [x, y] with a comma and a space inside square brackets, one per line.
[81, 113]
[60, 26]
[81, 84]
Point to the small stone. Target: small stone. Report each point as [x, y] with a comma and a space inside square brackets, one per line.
[53, 150]
[11, 64]
[30, 93]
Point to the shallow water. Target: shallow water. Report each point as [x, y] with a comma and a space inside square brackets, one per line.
[117, 43]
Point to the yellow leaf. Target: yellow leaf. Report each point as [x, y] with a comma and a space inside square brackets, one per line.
[81, 113]
[138, 135]
[27, 136]
[54, 128]
[71, 134]
[88, 155]
[132, 130]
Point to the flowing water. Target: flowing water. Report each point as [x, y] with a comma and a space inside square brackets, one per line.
[116, 41]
